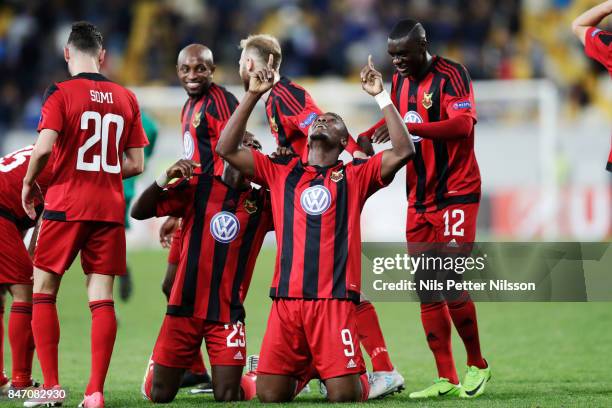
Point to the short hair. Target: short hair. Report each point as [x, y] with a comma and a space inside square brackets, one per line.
[264, 45]
[403, 28]
[85, 37]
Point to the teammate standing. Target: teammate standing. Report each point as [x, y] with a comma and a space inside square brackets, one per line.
[224, 222]
[435, 98]
[316, 208]
[94, 125]
[16, 265]
[290, 113]
[597, 42]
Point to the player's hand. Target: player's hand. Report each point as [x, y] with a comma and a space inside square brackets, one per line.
[182, 168]
[166, 231]
[262, 80]
[381, 135]
[371, 79]
[358, 154]
[282, 151]
[30, 195]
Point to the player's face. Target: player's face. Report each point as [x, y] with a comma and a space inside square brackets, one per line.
[244, 63]
[195, 74]
[249, 141]
[409, 56]
[328, 127]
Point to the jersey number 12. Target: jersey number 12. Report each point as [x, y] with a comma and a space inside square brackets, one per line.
[101, 128]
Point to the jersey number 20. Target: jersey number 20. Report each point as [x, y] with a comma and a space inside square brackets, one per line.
[101, 125]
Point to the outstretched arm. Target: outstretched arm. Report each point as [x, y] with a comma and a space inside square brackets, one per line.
[591, 18]
[402, 148]
[229, 145]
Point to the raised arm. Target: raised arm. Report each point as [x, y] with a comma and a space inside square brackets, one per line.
[591, 18]
[40, 156]
[402, 148]
[229, 145]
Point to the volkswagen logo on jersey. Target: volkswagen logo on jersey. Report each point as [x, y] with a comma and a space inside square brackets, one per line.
[315, 200]
[224, 227]
[413, 117]
[188, 147]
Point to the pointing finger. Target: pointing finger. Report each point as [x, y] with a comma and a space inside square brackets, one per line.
[370, 62]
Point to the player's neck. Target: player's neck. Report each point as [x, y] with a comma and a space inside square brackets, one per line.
[84, 66]
[321, 155]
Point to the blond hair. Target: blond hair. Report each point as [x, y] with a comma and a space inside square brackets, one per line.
[263, 45]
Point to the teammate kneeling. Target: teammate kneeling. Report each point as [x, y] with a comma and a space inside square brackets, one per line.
[224, 221]
[316, 208]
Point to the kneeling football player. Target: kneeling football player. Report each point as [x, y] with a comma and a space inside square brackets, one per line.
[224, 221]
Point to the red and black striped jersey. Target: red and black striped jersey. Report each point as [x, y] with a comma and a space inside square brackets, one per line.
[222, 231]
[597, 45]
[202, 120]
[443, 172]
[317, 214]
[13, 168]
[290, 111]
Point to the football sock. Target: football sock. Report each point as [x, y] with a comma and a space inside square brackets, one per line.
[371, 337]
[463, 313]
[22, 343]
[103, 333]
[46, 331]
[365, 386]
[437, 324]
[2, 376]
[249, 389]
[198, 366]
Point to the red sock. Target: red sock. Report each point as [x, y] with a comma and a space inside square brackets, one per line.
[198, 366]
[103, 333]
[371, 337]
[22, 343]
[2, 376]
[437, 325]
[463, 313]
[247, 384]
[365, 387]
[46, 331]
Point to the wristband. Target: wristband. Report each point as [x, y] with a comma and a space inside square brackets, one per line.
[163, 180]
[383, 99]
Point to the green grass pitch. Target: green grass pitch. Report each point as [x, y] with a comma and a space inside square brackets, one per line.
[541, 354]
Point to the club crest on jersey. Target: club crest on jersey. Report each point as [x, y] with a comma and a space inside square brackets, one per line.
[197, 118]
[311, 118]
[315, 200]
[336, 176]
[250, 206]
[427, 100]
[188, 146]
[413, 117]
[273, 124]
[224, 227]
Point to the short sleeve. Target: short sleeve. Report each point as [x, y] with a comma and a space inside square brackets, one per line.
[137, 136]
[597, 46]
[265, 168]
[53, 110]
[367, 174]
[301, 121]
[458, 93]
[176, 199]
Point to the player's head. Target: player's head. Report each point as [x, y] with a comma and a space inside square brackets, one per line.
[256, 50]
[250, 141]
[195, 68]
[232, 175]
[330, 129]
[407, 46]
[84, 46]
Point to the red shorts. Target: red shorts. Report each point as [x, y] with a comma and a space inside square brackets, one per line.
[174, 256]
[305, 338]
[15, 262]
[455, 222]
[180, 338]
[102, 247]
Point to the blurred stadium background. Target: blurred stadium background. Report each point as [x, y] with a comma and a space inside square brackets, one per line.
[545, 110]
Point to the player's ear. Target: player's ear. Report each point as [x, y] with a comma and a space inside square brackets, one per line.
[250, 64]
[101, 56]
[212, 69]
[66, 53]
